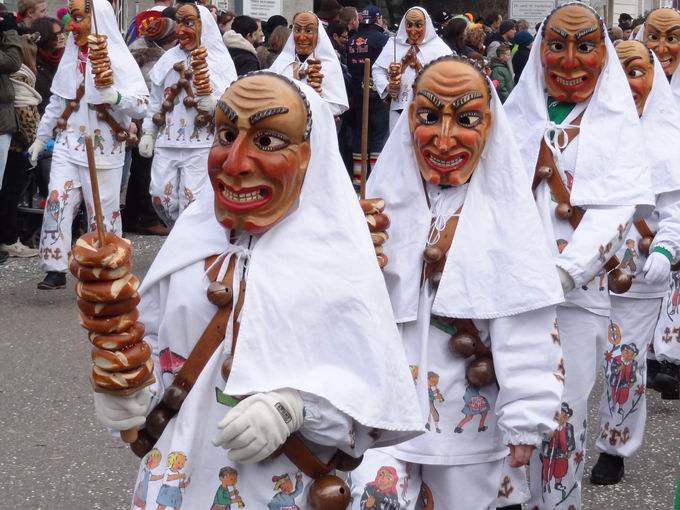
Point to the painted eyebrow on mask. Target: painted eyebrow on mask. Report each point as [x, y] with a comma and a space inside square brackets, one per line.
[631, 59]
[559, 31]
[227, 110]
[265, 114]
[466, 98]
[584, 32]
[432, 98]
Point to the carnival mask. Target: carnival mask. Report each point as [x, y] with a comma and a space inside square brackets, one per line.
[188, 28]
[305, 33]
[415, 26]
[449, 119]
[662, 36]
[639, 68]
[81, 19]
[260, 154]
[572, 53]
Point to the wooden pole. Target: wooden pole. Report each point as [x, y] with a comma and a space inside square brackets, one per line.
[92, 167]
[364, 128]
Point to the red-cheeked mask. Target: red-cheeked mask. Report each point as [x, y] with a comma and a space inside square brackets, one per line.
[662, 36]
[81, 20]
[639, 68]
[415, 26]
[305, 33]
[260, 154]
[188, 28]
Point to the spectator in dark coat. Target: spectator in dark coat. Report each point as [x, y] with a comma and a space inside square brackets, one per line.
[50, 50]
[240, 42]
[523, 41]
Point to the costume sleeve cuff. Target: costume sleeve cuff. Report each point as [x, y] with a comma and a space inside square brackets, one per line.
[574, 272]
[519, 437]
[663, 251]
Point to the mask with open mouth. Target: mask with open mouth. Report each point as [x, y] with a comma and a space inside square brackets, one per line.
[572, 53]
[305, 33]
[662, 36]
[449, 119]
[637, 63]
[261, 151]
[188, 28]
[415, 26]
[81, 20]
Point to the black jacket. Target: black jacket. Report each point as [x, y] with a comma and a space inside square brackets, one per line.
[10, 62]
[519, 60]
[367, 42]
[244, 61]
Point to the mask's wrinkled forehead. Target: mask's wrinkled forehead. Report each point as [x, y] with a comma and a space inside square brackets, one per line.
[573, 19]
[628, 51]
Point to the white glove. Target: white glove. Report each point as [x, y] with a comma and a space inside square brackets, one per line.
[657, 269]
[258, 425]
[122, 413]
[207, 103]
[146, 144]
[34, 151]
[109, 95]
[566, 280]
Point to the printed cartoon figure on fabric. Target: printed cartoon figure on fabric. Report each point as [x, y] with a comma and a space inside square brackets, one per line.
[415, 44]
[96, 90]
[249, 329]
[178, 129]
[309, 57]
[661, 34]
[652, 244]
[588, 180]
[480, 347]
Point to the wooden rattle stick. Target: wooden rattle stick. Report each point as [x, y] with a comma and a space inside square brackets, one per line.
[364, 129]
[92, 167]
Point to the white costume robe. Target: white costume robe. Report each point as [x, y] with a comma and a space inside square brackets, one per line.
[316, 318]
[461, 455]
[179, 169]
[69, 177]
[602, 168]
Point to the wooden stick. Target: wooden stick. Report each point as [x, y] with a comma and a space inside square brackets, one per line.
[364, 128]
[92, 167]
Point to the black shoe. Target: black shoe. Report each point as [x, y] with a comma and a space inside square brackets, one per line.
[510, 507]
[53, 281]
[608, 470]
[666, 380]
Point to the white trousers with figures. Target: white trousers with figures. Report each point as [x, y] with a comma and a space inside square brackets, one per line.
[557, 465]
[667, 334]
[177, 177]
[382, 482]
[623, 406]
[69, 184]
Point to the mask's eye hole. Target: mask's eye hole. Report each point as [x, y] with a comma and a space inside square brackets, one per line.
[635, 73]
[556, 46]
[470, 119]
[227, 135]
[427, 116]
[271, 141]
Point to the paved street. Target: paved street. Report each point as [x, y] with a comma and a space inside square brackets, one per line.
[55, 455]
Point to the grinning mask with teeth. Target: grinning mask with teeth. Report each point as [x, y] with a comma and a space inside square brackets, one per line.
[260, 154]
[662, 36]
[572, 53]
[188, 28]
[415, 26]
[305, 33]
[449, 119]
[637, 63]
[81, 20]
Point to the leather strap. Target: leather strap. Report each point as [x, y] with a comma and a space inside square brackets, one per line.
[66, 114]
[444, 244]
[643, 228]
[103, 111]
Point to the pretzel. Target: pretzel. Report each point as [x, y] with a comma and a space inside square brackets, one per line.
[379, 238]
[95, 274]
[377, 222]
[122, 380]
[115, 253]
[121, 360]
[372, 205]
[98, 310]
[106, 325]
[106, 291]
[118, 340]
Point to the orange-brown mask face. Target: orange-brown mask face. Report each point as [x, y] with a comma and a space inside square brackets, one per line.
[81, 20]
[415, 26]
[305, 33]
[188, 28]
[639, 68]
[449, 118]
[260, 155]
[662, 36]
[573, 53]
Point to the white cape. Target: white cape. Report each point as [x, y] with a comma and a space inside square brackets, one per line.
[499, 263]
[610, 169]
[220, 64]
[316, 315]
[127, 78]
[333, 84]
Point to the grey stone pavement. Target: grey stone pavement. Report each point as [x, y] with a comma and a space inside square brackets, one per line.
[54, 455]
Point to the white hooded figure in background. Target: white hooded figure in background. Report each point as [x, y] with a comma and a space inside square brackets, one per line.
[310, 341]
[178, 129]
[415, 44]
[70, 117]
[651, 245]
[472, 284]
[579, 120]
[309, 43]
